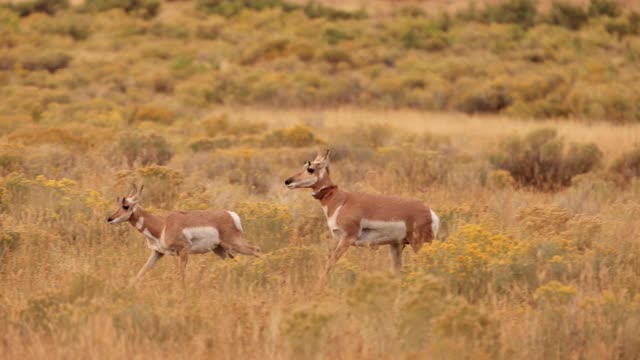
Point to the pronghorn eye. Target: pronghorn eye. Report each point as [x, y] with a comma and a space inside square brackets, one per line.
[310, 170]
[126, 207]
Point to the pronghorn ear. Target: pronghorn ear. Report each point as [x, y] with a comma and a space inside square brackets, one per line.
[327, 153]
[140, 190]
[134, 190]
[323, 157]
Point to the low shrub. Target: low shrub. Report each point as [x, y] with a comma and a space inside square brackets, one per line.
[211, 28]
[241, 166]
[619, 27]
[424, 39]
[144, 8]
[266, 50]
[609, 8]
[567, 15]
[419, 168]
[171, 29]
[163, 185]
[153, 113]
[482, 98]
[210, 144]
[269, 223]
[520, 12]
[307, 329]
[628, 164]
[50, 7]
[221, 124]
[613, 101]
[144, 148]
[474, 257]
[33, 135]
[9, 241]
[335, 56]
[296, 136]
[316, 10]
[51, 61]
[162, 83]
[633, 18]
[76, 26]
[52, 160]
[230, 7]
[539, 159]
[11, 159]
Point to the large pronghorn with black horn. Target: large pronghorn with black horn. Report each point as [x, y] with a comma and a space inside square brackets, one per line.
[180, 233]
[360, 219]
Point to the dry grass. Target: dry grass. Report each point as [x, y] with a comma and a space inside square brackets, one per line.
[512, 257]
[522, 274]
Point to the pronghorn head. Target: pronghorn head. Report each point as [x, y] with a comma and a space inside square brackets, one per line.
[126, 205]
[312, 172]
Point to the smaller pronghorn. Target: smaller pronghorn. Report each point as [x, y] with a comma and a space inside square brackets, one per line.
[361, 219]
[180, 233]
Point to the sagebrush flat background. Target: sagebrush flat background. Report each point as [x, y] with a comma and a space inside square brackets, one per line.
[523, 274]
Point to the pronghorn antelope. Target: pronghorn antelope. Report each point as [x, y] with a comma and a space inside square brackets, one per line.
[180, 233]
[361, 219]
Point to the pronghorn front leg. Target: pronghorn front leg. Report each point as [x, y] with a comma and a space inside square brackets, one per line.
[343, 244]
[153, 259]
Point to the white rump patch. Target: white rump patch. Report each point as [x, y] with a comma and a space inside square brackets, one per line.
[435, 224]
[236, 220]
[379, 232]
[202, 238]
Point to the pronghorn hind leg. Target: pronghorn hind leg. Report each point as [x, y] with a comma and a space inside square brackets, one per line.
[241, 246]
[396, 256]
[183, 256]
[222, 253]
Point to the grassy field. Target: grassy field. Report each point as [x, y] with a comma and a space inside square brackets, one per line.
[537, 257]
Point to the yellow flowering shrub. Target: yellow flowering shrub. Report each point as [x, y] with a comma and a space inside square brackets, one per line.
[267, 224]
[11, 158]
[468, 322]
[475, 258]
[421, 301]
[372, 299]
[555, 293]
[500, 179]
[162, 185]
[543, 220]
[307, 328]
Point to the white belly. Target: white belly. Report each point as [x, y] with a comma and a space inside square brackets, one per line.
[377, 232]
[202, 239]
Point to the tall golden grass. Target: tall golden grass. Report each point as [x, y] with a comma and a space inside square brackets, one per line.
[92, 101]
[522, 274]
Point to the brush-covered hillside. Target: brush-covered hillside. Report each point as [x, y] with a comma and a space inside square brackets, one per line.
[176, 59]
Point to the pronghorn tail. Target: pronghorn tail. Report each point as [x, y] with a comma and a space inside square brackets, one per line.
[435, 224]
